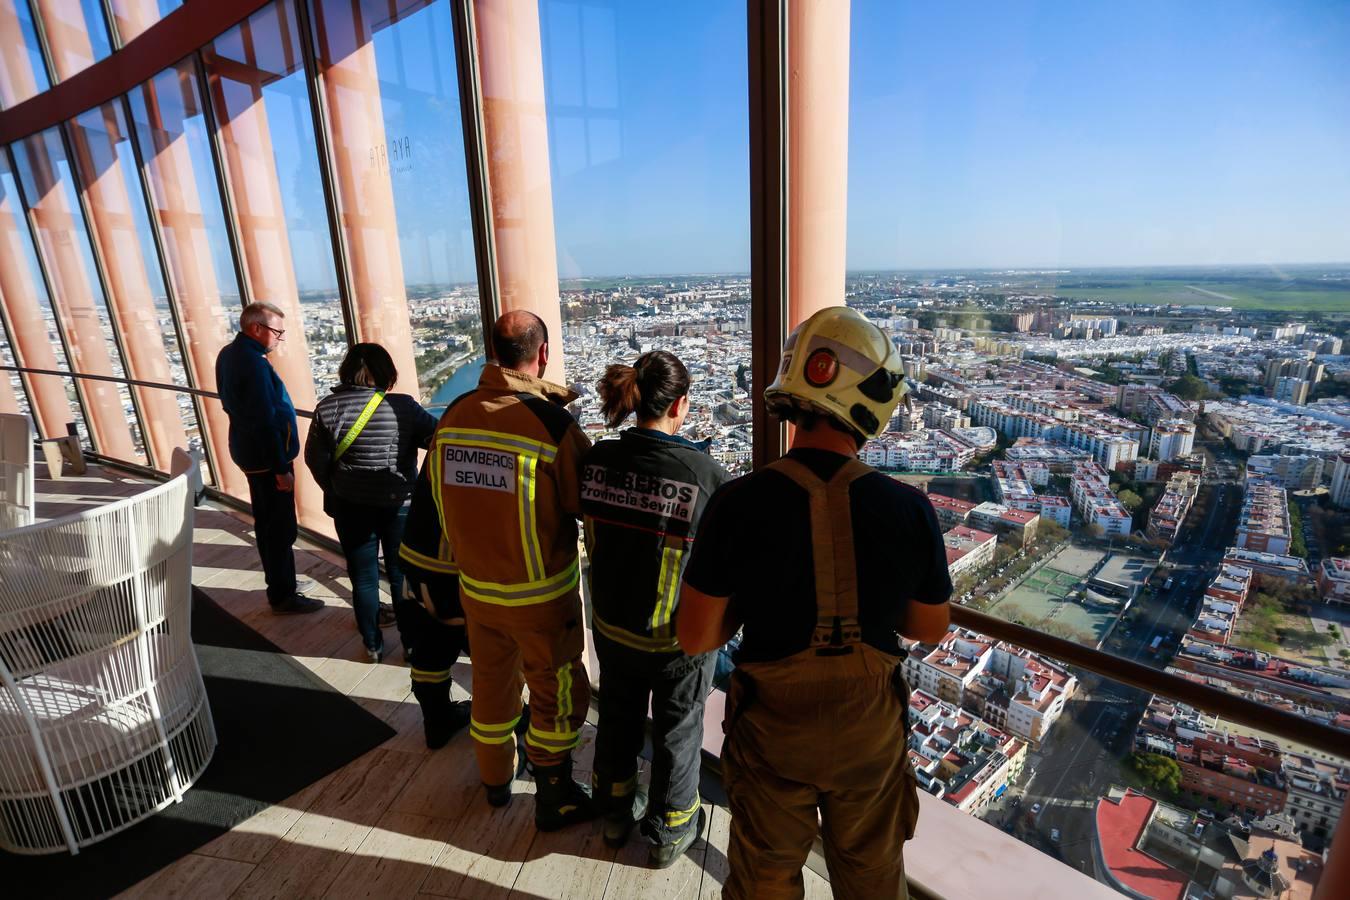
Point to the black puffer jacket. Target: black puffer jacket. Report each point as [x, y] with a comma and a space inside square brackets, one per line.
[380, 467]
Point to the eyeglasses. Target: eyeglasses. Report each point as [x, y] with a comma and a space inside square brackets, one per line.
[279, 332]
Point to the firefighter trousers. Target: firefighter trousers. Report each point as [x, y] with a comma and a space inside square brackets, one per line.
[677, 688]
[539, 645]
[818, 737]
[431, 646]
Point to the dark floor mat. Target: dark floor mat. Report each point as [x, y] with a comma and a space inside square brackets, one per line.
[280, 729]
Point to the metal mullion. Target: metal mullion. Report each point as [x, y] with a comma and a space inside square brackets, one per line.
[100, 270]
[169, 292]
[318, 114]
[207, 102]
[40, 29]
[40, 255]
[766, 32]
[110, 26]
[476, 166]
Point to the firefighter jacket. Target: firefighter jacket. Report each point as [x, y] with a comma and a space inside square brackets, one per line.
[642, 496]
[506, 476]
[425, 552]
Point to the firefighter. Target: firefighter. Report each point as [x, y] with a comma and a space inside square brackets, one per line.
[824, 562]
[506, 474]
[430, 616]
[642, 496]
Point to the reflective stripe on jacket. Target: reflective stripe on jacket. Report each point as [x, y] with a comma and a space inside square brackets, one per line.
[643, 496]
[505, 467]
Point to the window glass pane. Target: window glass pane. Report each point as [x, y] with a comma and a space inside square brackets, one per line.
[648, 143]
[81, 307]
[13, 397]
[256, 80]
[1122, 337]
[22, 72]
[170, 126]
[133, 17]
[29, 323]
[393, 104]
[76, 34]
[107, 168]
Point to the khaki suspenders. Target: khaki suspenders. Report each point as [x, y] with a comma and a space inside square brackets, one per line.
[832, 552]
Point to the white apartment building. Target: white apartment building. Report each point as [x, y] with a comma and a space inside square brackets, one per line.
[1340, 481]
[1264, 522]
[1172, 439]
[1294, 472]
[1316, 793]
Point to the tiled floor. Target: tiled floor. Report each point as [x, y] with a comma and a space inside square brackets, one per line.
[400, 821]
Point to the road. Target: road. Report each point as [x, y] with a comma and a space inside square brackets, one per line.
[1085, 749]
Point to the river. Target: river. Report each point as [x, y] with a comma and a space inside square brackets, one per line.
[464, 380]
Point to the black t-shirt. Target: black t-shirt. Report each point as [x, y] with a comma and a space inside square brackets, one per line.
[754, 546]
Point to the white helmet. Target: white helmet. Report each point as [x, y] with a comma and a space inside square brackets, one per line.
[839, 364]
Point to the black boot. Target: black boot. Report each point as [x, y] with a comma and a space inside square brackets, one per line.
[559, 801]
[441, 718]
[662, 856]
[619, 822]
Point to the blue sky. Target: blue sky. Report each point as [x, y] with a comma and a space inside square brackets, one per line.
[1000, 134]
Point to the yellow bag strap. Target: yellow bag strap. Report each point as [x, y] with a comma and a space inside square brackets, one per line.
[832, 553]
[358, 426]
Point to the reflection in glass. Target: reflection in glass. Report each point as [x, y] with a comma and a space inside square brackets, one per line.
[106, 165]
[648, 138]
[77, 35]
[22, 71]
[256, 81]
[389, 79]
[29, 323]
[81, 308]
[13, 400]
[170, 128]
[132, 17]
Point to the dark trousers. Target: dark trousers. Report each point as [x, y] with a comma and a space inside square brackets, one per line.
[432, 644]
[274, 529]
[677, 687]
[363, 532]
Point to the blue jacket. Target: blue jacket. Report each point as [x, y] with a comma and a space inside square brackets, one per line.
[263, 432]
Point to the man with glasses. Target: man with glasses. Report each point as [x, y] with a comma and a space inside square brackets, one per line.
[264, 441]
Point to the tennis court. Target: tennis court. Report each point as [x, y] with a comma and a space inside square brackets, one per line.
[1044, 598]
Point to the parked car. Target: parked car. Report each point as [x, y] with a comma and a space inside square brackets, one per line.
[1054, 835]
[1208, 814]
[1035, 808]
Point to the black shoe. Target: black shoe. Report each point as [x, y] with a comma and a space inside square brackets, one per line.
[617, 826]
[522, 760]
[664, 855]
[297, 604]
[498, 795]
[385, 618]
[440, 729]
[559, 801]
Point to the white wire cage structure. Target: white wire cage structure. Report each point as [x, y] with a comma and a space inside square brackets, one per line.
[104, 719]
[17, 495]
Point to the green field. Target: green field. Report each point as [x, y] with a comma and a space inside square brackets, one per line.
[1294, 295]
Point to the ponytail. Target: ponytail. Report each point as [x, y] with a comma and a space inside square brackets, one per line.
[648, 387]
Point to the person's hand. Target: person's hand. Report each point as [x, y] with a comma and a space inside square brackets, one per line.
[286, 482]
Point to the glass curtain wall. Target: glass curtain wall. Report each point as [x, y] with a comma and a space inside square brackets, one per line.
[648, 137]
[132, 17]
[22, 71]
[106, 164]
[76, 33]
[389, 83]
[77, 294]
[256, 80]
[30, 326]
[171, 133]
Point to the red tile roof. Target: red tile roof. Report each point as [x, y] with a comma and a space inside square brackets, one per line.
[1119, 828]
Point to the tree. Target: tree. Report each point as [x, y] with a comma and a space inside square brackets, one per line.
[1158, 772]
[1130, 500]
[1189, 387]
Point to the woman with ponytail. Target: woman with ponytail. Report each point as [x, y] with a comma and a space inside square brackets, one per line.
[642, 496]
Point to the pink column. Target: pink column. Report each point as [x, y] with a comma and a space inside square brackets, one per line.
[27, 326]
[63, 23]
[515, 127]
[133, 17]
[130, 297]
[16, 72]
[818, 60]
[73, 301]
[178, 210]
[365, 194]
